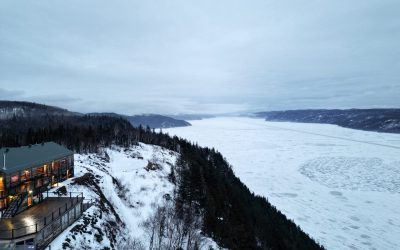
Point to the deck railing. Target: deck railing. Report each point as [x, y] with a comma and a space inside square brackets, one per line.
[59, 224]
[71, 209]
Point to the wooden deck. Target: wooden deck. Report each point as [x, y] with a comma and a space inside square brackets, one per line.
[33, 219]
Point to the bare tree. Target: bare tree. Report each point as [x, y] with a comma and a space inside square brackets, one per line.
[168, 229]
[130, 243]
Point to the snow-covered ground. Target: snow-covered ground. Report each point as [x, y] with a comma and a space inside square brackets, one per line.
[342, 186]
[130, 187]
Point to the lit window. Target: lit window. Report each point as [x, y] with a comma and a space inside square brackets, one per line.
[14, 178]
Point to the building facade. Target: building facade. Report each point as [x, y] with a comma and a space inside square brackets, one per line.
[29, 171]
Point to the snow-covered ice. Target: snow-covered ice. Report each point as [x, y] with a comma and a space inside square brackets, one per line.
[342, 186]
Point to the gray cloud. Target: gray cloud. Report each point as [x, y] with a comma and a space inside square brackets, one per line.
[10, 94]
[201, 56]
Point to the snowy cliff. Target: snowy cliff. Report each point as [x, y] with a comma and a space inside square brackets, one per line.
[132, 191]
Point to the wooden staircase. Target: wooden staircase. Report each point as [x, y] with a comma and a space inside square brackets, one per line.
[14, 206]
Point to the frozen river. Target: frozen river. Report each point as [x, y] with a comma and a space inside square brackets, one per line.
[341, 186]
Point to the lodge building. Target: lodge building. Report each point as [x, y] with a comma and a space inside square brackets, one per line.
[26, 172]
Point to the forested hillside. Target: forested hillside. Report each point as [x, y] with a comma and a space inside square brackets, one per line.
[83, 134]
[232, 215]
[149, 120]
[157, 121]
[380, 120]
[8, 109]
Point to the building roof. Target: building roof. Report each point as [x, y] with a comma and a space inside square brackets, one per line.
[21, 158]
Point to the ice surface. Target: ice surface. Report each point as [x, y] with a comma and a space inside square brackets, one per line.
[342, 186]
[355, 173]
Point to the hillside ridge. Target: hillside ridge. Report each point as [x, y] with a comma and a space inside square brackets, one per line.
[378, 120]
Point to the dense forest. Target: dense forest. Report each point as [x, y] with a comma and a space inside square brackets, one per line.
[232, 215]
[83, 134]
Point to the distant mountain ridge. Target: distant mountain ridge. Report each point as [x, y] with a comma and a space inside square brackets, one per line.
[151, 120]
[10, 109]
[157, 121]
[192, 117]
[379, 120]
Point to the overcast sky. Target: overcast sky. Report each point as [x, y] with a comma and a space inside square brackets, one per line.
[200, 56]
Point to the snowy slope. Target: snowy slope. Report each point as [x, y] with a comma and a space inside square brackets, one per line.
[126, 194]
[342, 186]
